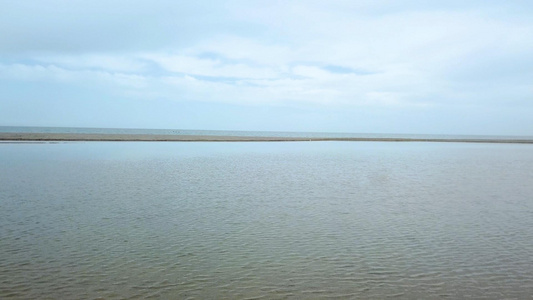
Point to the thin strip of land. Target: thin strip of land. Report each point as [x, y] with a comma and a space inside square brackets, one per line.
[93, 137]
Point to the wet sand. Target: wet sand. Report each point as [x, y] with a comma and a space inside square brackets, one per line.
[67, 137]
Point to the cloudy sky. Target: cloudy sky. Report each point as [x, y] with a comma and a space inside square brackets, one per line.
[452, 67]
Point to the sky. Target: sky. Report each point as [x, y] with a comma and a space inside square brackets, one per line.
[429, 67]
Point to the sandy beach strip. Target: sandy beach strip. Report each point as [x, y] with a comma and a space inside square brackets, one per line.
[98, 137]
[87, 137]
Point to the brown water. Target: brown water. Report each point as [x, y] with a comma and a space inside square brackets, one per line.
[266, 220]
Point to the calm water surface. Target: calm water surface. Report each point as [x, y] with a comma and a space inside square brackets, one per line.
[266, 220]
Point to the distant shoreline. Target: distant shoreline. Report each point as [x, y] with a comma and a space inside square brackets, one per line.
[93, 137]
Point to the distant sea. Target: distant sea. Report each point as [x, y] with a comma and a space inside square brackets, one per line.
[22, 129]
[310, 220]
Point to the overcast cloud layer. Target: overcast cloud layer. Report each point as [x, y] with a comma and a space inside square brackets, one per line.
[457, 67]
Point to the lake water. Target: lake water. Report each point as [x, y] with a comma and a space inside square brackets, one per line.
[297, 220]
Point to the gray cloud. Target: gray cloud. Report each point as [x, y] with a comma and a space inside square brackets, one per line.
[66, 26]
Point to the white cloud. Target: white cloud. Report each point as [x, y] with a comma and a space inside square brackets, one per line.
[312, 72]
[95, 61]
[52, 73]
[272, 52]
[213, 67]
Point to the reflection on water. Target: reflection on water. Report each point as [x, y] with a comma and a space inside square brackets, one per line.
[273, 220]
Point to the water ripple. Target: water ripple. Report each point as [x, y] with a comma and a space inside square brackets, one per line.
[357, 221]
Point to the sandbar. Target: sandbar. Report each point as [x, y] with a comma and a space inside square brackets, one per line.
[94, 137]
